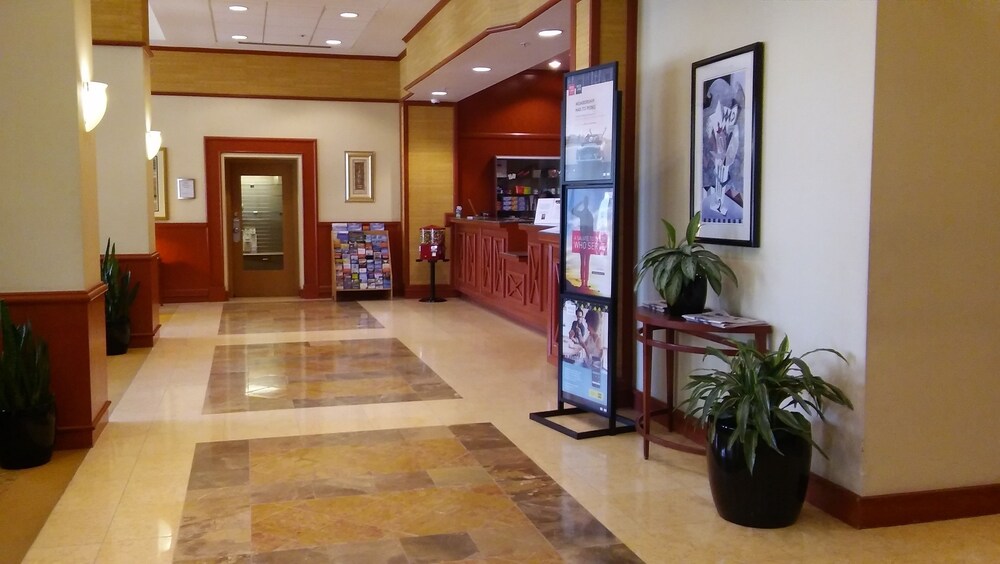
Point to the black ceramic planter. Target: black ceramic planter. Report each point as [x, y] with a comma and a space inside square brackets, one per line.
[26, 440]
[118, 335]
[773, 495]
[692, 298]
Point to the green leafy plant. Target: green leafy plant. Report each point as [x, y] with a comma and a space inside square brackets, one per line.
[673, 265]
[24, 369]
[120, 295]
[757, 391]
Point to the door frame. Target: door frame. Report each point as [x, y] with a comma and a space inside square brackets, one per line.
[218, 148]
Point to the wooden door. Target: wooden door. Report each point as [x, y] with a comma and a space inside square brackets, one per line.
[262, 212]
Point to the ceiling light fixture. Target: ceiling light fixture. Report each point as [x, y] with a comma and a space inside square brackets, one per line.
[554, 64]
[154, 139]
[239, 37]
[333, 42]
[348, 14]
[439, 93]
[550, 33]
[95, 103]
[237, 8]
[482, 69]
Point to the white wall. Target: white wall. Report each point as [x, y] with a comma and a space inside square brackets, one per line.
[124, 175]
[337, 126]
[809, 276]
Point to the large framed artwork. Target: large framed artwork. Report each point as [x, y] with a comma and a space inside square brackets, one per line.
[160, 185]
[359, 176]
[725, 145]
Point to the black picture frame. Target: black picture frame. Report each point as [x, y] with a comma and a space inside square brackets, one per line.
[585, 355]
[726, 129]
[589, 146]
[588, 248]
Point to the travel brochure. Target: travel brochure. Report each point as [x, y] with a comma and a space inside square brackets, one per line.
[721, 319]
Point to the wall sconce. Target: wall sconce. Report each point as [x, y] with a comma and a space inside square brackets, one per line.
[95, 102]
[154, 139]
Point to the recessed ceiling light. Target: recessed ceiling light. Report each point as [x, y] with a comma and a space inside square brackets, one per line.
[239, 37]
[554, 64]
[482, 69]
[348, 14]
[333, 42]
[549, 32]
[236, 8]
[439, 93]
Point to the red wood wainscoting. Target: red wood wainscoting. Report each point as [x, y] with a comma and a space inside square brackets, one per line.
[145, 314]
[396, 252]
[72, 323]
[184, 262]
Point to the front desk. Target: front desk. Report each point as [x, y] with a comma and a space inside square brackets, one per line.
[511, 268]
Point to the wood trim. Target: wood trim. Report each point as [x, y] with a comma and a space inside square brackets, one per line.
[145, 313]
[404, 113]
[511, 135]
[595, 32]
[572, 35]
[57, 297]
[472, 42]
[273, 53]
[277, 97]
[108, 43]
[417, 291]
[304, 148]
[423, 21]
[184, 261]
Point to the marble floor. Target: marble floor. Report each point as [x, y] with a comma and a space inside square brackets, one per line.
[152, 487]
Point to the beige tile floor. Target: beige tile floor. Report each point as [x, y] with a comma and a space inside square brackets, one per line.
[127, 497]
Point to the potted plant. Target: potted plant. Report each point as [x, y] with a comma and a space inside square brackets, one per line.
[117, 302]
[681, 271]
[27, 406]
[760, 441]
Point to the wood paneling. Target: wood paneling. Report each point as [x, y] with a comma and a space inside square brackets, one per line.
[395, 229]
[72, 323]
[519, 116]
[145, 314]
[119, 22]
[305, 149]
[268, 75]
[430, 181]
[582, 34]
[458, 26]
[184, 262]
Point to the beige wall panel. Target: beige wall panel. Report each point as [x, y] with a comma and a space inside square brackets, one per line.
[934, 312]
[431, 181]
[279, 76]
[455, 25]
[120, 21]
[582, 47]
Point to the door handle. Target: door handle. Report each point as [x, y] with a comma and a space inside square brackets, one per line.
[237, 235]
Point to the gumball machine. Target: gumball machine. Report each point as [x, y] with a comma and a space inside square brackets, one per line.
[431, 243]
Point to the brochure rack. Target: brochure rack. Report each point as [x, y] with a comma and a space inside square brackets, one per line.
[361, 260]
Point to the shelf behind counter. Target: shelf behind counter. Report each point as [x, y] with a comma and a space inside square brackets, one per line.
[509, 267]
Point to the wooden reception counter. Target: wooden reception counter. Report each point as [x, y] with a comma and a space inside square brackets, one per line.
[511, 268]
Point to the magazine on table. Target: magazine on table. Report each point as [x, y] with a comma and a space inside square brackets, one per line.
[721, 319]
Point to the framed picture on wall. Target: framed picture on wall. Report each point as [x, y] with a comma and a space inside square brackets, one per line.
[160, 185]
[359, 176]
[725, 145]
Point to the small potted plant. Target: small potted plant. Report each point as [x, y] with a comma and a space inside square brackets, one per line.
[117, 302]
[760, 442]
[27, 406]
[682, 270]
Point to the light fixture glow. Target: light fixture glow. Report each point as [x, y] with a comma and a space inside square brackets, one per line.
[333, 42]
[550, 33]
[439, 93]
[482, 69]
[239, 37]
[238, 8]
[348, 14]
[154, 139]
[554, 64]
[95, 103]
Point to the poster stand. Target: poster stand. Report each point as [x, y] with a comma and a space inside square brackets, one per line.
[588, 265]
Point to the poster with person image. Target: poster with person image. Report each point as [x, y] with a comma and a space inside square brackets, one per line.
[588, 245]
[583, 369]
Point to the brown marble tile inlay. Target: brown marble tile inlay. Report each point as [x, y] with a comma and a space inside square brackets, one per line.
[240, 318]
[431, 494]
[292, 375]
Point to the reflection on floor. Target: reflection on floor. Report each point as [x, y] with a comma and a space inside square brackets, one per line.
[127, 500]
[423, 494]
[317, 374]
[239, 318]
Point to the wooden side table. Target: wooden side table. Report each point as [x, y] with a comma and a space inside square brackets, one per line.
[650, 322]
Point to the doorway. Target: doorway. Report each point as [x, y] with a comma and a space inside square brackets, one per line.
[261, 196]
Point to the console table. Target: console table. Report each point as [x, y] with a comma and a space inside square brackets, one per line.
[649, 323]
